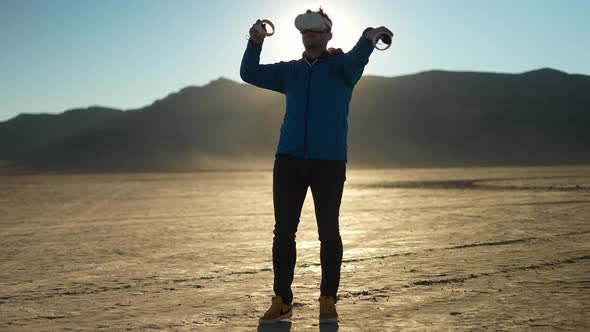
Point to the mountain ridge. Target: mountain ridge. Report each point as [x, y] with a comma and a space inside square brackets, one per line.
[432, 118]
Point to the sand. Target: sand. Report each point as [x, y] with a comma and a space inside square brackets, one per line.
[500, 249]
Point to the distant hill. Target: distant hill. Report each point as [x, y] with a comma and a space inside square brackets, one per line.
[434, 118]
[25, 133]
[442, 118]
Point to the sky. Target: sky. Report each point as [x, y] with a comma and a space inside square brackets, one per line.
[57, 55]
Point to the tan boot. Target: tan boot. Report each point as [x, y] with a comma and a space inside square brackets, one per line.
[328, 312]
[277, 311]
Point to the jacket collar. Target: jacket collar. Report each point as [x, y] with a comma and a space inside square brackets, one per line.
[331, 52]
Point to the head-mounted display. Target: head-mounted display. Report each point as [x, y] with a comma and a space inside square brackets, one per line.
[312, 22]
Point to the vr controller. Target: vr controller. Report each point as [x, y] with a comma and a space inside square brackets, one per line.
[260, 26]
[385, 38]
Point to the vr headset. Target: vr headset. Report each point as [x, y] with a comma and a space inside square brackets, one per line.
[312, 22]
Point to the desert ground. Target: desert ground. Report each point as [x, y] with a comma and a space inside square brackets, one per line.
[498, 249]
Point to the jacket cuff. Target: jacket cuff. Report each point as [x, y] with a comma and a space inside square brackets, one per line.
[254, 45]
[366, 44]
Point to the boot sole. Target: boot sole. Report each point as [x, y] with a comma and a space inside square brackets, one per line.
[328, 320]
[278, 319]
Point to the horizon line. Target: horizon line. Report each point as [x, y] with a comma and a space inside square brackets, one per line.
[244, 83]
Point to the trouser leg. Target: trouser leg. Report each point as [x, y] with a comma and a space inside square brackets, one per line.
[289, 190]
[327, 183]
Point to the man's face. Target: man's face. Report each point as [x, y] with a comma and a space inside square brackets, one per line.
[313, 39]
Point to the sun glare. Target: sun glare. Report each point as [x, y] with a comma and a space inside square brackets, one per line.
[288, 44]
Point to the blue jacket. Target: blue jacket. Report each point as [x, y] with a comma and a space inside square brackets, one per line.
[318, 95]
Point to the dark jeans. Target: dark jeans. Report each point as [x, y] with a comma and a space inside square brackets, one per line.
[291, 178]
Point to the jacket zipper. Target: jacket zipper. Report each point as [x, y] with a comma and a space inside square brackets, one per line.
[307, 108]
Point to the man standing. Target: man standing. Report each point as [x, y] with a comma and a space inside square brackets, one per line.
[312, 150]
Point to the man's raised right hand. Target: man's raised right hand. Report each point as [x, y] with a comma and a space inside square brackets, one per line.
[255, 35]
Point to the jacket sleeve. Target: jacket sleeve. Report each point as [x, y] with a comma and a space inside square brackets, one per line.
[356, 59]
[271, 76]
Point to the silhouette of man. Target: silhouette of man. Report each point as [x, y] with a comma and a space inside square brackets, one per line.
[312, 150]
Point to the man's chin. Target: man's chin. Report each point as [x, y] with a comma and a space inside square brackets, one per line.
[310, 44]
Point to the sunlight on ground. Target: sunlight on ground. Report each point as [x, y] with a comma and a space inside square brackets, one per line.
[424, 250]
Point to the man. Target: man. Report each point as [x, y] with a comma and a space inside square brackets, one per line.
[311, 150]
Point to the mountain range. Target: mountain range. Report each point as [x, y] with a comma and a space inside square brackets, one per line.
[428, 119]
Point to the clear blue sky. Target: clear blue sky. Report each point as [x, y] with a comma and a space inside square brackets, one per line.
[61, 54]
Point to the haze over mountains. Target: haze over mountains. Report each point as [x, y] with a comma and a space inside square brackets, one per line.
[429, 119]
